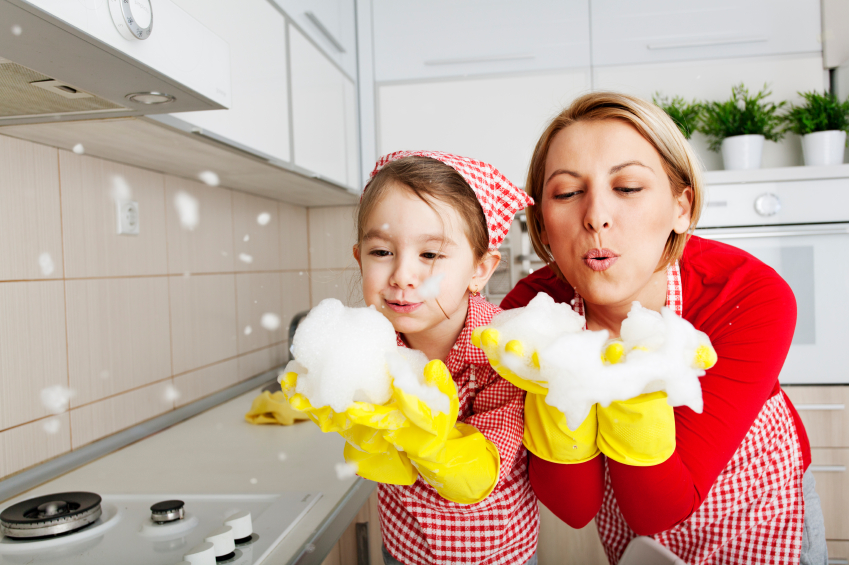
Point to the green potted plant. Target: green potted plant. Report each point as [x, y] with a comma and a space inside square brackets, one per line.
[739, 126]
[822, 121]
[684, 114]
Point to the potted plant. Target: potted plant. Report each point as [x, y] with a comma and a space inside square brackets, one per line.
[684, 114]
[822, 121]
[740, 125]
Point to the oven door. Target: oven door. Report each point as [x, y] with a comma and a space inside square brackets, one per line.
[814, 260]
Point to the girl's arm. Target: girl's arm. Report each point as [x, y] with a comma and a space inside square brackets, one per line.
[572, 492]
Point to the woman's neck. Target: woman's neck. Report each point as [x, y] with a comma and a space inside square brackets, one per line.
[610, 316]
[436, 342]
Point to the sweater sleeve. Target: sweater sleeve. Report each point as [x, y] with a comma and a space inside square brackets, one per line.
[573, 493]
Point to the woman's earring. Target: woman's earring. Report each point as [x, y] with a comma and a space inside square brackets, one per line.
[475, 291]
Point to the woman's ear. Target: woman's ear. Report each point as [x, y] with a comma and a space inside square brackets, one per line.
[484, 270]
[683, 211]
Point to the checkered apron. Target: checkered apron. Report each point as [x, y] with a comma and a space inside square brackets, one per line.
[420, 527]
[753, 513]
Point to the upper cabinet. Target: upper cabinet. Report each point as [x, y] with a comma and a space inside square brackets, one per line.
[628, 32]
[331, 24]
[447, 38]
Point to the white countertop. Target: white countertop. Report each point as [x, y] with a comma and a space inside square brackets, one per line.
[776, 174]
[218, 452]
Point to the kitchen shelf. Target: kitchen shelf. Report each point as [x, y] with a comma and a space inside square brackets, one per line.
[777, 174]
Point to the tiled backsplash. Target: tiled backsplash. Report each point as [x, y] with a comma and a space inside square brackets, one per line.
[136, 326]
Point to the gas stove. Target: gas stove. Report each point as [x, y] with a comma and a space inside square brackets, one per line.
[75, 528]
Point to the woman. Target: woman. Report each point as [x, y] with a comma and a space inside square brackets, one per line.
[618, 191]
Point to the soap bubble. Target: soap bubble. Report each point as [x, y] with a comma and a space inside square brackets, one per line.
[282, 456]
[210, 178]
[246, 238]
[120, 190]
[270, 321]
[384, 227]
[52, 425]
[345, 471]
[248, 330]
[430, 287]
[263, 218]
[56, 398]
[45, 261]
[78, 149]
[224, 254]
[254, 481]
[245, 258]
[104, 374]
[188, 208]
[171, 393]
[17, 30]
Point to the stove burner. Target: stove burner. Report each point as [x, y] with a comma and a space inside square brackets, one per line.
[167, 511]
[50, 515]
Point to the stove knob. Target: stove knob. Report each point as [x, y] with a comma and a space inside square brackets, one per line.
[203, 554]
[767, 204]
[242, 526]
[222, 539]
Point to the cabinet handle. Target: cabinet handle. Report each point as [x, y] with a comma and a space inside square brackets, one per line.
[324, 31]
[819, 407]
[707, 42]
[778, 233]
[484, 59]
[837, 561]
[827, 468]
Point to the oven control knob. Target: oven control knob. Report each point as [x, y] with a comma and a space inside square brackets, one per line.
[767, 204]
[222, 539]
[203, 554]
[242, 526]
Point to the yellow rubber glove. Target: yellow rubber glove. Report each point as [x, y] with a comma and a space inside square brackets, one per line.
[453, 457]
[641, 431]
[362, 426]
[268, 408]
[546, 434]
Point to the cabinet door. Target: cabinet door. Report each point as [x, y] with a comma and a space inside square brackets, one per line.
[624, 31]
[442, 38]
[324, 114]
[497, 120]
[258, 116]
[829, 467]
[331, 24]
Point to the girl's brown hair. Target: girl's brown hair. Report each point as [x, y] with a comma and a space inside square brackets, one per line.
[429, 179]
[679, 161]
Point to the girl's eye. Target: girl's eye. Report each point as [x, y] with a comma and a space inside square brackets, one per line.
[380, 253]
[430, 255]
[628, 189]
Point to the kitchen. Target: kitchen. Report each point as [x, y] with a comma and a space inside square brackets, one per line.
[266, 117]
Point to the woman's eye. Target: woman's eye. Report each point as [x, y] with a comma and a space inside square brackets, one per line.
[566, 195]
[380, 253]
[629, 189]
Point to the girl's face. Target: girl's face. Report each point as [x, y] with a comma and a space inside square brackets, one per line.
[608, 210]
[405, 243]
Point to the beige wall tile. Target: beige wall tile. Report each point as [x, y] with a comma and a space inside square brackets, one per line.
[203, 382]
[29, 211]
[118, 335]
[296, 296]
[33, 352]
[105, 417]
[208, 247]
[258, 294]
[294, 246]
[203, 320]
[258, 362]
[344, 285]
[33, 443]
[332, 237]
[93, 247]
[262, 247]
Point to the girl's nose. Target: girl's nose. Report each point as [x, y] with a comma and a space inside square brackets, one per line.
[404, 275]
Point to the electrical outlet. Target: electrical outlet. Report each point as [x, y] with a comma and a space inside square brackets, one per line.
[128, 217]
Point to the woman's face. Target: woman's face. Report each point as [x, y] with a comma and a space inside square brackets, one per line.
[608, 209]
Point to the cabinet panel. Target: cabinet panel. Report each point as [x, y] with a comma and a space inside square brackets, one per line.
[823, 412]
[258, 115]
[838, 552]
[497, 120]
[563, 545]
[625, 32]
[443, 38]
[830, 471]
[324, 113]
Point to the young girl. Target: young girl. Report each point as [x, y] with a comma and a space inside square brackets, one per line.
[461, 494]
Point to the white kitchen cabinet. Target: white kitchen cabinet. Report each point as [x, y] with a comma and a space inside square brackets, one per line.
[331, 24]
[324, 114]
[626, 32]
[445, 38]
[494, 119]
[258, 117]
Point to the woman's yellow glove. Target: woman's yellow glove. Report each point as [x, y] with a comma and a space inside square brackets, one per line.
[454, 458]
[273, 408]
[546, 434]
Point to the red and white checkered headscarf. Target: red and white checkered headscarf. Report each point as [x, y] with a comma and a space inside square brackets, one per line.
[499, 198]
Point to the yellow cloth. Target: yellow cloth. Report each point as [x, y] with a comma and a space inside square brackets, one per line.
[268, 408]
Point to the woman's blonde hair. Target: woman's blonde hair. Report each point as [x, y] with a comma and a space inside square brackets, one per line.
[679, 161]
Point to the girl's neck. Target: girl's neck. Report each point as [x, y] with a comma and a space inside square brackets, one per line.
[437, 342]
[610, 316]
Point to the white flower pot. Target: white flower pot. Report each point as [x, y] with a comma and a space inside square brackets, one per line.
[742, 152]
[824, 147]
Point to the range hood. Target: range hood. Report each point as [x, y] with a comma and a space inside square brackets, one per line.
[81, 59]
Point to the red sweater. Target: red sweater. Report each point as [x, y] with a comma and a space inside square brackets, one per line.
[749, 313]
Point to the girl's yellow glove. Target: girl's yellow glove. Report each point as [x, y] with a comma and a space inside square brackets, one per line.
[546, 434]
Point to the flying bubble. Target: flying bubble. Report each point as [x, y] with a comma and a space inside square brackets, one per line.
[45, 261]
[248, 330]
[270, 321]
[345, 471]
[209, 178]
[430, 287]
[56, 398]
[52, 425]
[171, 393]
[263, 218]
[120, 190]
[245, 258]
[246, 238]
[78, 149]
[17, 30]
[188, 209]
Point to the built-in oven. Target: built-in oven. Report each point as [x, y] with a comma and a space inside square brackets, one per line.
[799, 227]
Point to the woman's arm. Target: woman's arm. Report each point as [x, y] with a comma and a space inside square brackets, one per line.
[572, 492]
